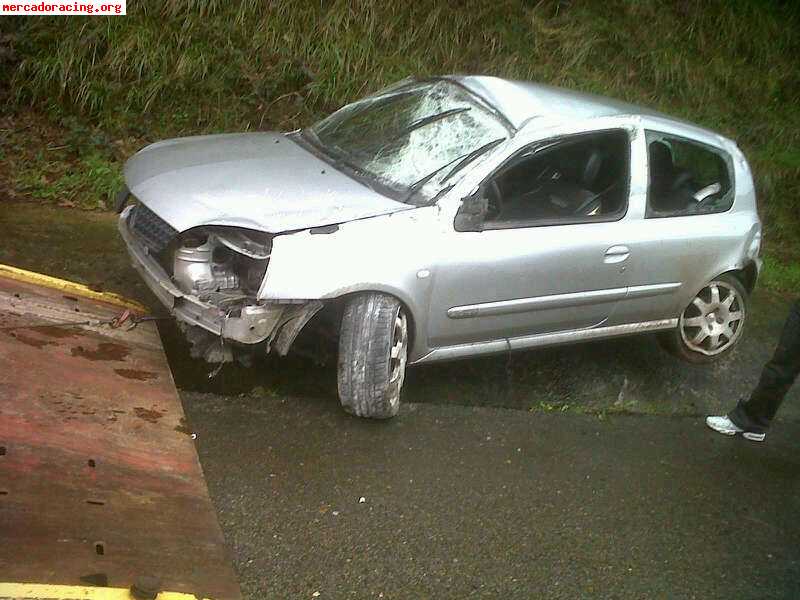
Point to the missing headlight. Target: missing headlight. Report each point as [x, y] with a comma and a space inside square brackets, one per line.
[221, 260]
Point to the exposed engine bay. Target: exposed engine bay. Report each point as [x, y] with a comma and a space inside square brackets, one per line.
[209, 278]
[229, 265]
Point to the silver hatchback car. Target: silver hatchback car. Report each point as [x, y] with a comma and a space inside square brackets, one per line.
[447, 218]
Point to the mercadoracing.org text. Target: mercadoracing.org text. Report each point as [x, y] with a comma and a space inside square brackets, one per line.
[87, 7]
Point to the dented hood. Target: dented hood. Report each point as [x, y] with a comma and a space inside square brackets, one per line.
[261, 181]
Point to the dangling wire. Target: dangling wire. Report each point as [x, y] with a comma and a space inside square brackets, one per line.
[114, 322]
[218, 368]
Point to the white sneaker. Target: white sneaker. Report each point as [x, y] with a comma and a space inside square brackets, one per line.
[725, 426]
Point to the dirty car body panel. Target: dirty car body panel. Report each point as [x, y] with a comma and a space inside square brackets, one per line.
[301, 228]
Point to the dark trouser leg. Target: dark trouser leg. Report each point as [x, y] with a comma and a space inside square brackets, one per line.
[778, 375]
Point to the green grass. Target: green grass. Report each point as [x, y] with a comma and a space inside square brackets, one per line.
[780, 276]
[71, 165]
[179, 67]
[89, 182]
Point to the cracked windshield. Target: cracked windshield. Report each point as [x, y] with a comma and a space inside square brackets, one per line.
[410, 136]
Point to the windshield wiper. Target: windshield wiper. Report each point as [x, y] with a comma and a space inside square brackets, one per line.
[311, 136]
[334, 153]
[462, 160]
[465, 160]
[418, 124]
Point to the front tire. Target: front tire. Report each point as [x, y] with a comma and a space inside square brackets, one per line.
[373, 351]
[713, 323]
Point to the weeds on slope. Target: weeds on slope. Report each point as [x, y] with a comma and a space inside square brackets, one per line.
[179, 67]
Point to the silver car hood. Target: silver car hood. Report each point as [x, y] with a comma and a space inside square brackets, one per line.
[261, 181]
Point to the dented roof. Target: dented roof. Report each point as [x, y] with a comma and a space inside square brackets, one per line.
[521, 101]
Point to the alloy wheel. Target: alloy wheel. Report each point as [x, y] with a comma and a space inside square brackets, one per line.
[714, 320]
[399, 351]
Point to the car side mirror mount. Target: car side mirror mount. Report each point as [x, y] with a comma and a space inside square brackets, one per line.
[471, 214]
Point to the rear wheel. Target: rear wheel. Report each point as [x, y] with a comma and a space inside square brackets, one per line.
[712, 324]
[373, 351]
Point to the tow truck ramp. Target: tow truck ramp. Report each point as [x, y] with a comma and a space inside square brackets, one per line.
[101, 491]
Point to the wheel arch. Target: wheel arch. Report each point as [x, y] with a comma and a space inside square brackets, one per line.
[413, 312]
[747, 275]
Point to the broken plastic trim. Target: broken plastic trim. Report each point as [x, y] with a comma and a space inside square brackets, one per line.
[121, 198]
[243, 242]
[324, 230]
[223, 315]
[294, 324]
[217, 348]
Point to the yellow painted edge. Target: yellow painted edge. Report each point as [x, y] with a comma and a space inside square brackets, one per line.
[40, 591]
[68, 286]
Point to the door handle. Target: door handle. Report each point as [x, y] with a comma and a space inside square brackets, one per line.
[617, 254]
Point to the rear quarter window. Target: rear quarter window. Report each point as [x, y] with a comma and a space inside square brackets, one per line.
[687, 177]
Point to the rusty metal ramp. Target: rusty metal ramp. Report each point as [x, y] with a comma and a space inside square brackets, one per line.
[100, 484]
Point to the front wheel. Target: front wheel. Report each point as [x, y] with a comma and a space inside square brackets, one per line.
[712, 324]
[373, 351]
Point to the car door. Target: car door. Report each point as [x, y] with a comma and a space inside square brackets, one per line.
[541, 268]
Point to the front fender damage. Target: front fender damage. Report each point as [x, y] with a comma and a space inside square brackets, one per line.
[271, 327]
[208, 278]
[292, 326]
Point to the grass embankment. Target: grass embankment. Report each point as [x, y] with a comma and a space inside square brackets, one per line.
[103, 86]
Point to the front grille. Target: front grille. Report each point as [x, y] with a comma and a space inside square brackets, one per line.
[152, 229]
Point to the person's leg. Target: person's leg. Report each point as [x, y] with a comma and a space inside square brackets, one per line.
[778, 375]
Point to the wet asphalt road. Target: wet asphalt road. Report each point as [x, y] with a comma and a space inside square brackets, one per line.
[485, 502]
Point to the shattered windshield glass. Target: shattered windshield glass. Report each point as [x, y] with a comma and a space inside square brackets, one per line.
[410, 137]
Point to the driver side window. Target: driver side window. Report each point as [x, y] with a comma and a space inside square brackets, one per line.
[575, 179]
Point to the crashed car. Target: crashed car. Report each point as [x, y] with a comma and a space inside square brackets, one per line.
[448, 218]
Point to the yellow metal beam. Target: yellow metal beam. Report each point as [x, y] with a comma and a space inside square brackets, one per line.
[39, 591]
[69, 287]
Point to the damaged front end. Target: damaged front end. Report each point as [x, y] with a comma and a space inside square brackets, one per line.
[209, 277]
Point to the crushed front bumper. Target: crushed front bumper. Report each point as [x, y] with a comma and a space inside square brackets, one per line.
[250, 324]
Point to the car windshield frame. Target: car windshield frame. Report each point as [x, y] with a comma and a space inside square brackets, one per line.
[425, 186]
